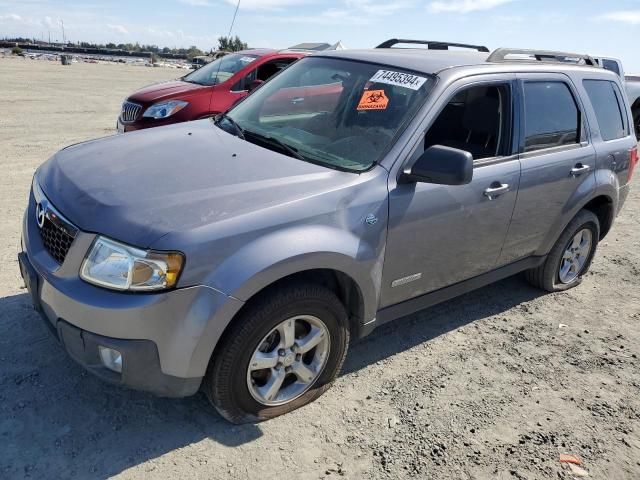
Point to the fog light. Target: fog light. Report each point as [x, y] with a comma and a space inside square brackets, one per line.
[111, 358]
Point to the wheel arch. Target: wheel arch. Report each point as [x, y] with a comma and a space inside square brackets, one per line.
[342, 284]
[603, 208]
[603, 203]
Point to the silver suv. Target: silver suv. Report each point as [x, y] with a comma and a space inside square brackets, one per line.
[240, 255]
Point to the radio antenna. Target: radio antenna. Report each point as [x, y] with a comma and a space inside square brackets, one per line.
[233, 21]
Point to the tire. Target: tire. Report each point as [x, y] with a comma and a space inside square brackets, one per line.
[548, 275]
[229, 383]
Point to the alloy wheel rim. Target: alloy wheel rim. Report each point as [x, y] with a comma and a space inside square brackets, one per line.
[288, 360]
[575, 256]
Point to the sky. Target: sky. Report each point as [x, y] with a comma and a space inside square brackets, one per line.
[596, 27]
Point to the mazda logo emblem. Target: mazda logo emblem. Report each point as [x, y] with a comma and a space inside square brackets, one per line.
[40, 214]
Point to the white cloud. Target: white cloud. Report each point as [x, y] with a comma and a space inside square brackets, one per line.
[118, 29]
[197, 3]
[347, 12]
[631, 17]
[47, 22]
[465, 6]
[11, 16]
[371, 7]
[266, 4]
[509, 19]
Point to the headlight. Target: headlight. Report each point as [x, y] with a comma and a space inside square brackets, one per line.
[118, 266]
[164, 109]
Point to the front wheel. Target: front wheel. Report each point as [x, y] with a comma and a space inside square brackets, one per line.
[571, 255]
[283, 352]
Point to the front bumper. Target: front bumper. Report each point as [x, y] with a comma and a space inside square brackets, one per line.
[141, 368]
[166, 339]
[143, 123]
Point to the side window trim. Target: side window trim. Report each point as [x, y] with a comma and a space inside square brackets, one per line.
[426, 119]
[583, 130]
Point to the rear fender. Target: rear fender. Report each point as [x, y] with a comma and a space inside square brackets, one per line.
[589, 190]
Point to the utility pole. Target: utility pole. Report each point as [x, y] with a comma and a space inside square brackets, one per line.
[64, 40]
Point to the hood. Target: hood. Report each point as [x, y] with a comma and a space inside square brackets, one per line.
[164, 90]
[140, 186]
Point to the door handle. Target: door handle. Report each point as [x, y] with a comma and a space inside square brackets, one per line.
[297, 100]
[495, 190]
[579, 169]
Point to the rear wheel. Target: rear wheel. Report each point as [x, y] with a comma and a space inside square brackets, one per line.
[571, 255]
[283, 352]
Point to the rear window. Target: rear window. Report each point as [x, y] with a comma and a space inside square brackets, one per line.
[552, 118]
[606, 103]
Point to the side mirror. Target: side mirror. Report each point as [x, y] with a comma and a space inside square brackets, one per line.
[255, 84]
[441, 165]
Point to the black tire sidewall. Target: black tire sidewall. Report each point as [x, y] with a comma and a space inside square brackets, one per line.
[237, 395]
[585, 220]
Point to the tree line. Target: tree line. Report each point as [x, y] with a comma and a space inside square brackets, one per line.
[229, 44]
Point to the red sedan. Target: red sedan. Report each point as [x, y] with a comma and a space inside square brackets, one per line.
[205, 92]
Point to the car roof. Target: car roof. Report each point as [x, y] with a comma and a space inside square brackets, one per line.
[435, 61]
[420, 59]
[263, 52]
[257, 51]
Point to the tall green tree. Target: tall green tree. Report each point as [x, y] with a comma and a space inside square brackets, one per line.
[194, 52]
[231, 44]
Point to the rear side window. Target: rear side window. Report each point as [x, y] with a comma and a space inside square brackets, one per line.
[611, 65]
[606, 103]
[551, 117]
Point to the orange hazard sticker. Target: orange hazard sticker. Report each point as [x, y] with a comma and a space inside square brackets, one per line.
[373, 100]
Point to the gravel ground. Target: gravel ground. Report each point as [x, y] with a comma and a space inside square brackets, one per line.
[495, 384]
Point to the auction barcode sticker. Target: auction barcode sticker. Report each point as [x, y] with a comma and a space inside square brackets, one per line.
[400, 79]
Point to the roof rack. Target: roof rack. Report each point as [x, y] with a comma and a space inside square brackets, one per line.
[500, 55]
[431, 45]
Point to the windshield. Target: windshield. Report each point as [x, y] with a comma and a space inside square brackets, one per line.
[220, 70]
[339, 113]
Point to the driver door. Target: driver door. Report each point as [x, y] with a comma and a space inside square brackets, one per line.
[440, 235]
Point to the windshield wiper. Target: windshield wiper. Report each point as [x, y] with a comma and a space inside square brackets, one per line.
[278, 143]
[239, 131]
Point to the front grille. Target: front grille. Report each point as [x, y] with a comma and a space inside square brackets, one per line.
[130, 111]
[56, 240]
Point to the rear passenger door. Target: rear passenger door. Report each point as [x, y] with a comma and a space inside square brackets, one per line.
[557, 161]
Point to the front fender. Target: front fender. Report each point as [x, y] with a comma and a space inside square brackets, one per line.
[279, 254]
[284, 252]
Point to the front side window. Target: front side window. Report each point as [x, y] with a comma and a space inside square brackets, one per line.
[605, 102]
[476, 120]
[551, 116]
[220, 70]
[263, 73]
[338, 113]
